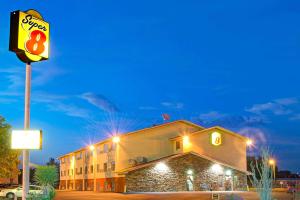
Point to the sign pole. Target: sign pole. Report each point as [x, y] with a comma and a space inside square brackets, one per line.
[26, 127]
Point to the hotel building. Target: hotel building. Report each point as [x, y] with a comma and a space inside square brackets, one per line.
[175, 156]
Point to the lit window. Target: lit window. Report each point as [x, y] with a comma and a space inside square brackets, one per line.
[105, 148]
[178, 145]
[92, 168]
[113, 165]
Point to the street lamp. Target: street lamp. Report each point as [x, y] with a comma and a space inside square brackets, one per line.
[272, 162]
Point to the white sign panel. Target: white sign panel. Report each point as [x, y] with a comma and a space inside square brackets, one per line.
[26, 139]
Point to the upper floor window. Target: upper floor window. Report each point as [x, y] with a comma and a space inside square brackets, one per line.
[79, 156]
[99, 150]
[105, 167]
[113, 146]
[86, 170]
[113, 165]
[98, 168]
[105, 148]
[177, 144]
[92, 169]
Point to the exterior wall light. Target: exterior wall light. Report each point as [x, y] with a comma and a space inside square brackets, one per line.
[189, 172]
[217, 169]
[228, 172]
[249, 142]
[92, 147]
[186, 141]
[161, 167]
[116, 139]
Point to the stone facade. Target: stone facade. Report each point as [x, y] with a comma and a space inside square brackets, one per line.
[184, 173]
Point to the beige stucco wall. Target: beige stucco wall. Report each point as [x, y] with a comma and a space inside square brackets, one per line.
[232, 151]
[151, 143]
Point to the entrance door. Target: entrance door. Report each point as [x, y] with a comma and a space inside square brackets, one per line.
[190, 183]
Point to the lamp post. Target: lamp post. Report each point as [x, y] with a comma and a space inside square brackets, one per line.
[25, 177]
[272, 162]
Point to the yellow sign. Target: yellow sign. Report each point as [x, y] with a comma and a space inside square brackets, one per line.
[29, 36]
[26, 139]
[216, 138]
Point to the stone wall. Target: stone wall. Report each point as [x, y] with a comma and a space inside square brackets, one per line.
[172, 175]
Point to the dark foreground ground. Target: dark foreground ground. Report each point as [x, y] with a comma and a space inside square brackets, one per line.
[75, 195]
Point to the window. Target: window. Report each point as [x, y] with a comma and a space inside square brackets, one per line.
[98, 168]
[80, 170]
[86, 170]
[76, 171]
[105, 148]
[113, 165]
[92, 168]
[61, 173]
[105, 167]
[68, 172]
[99, 150]
[72, 172]
[79, 156]
[178, 145]
[113, 146]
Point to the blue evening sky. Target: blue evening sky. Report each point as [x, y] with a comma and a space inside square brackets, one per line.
[116, 66]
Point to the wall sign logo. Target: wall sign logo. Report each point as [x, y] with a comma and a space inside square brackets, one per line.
[216, 138]
[29, 36]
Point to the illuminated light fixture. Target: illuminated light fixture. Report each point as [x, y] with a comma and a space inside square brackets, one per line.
[116, 139]
[217, 169]
[249, 142]
[216, 138]
[189, 172]
[92, 147]
[26, 139]
[161, 167]
[186, 140]
[272, 161]
[228, 172]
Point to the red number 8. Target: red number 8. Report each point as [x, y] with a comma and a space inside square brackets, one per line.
[35, 44]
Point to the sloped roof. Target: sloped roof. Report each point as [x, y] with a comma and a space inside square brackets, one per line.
[124, 171]
[141, 130]
[213, 128]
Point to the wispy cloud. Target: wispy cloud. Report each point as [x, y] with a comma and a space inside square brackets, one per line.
[100, 102]
[215, 118]
[44, 74]
[14, 76]
[295, 117]
[277, 107]
[147, 108]
[70, 110]
[172, 105]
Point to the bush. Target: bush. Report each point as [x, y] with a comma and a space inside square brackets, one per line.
[46, 177]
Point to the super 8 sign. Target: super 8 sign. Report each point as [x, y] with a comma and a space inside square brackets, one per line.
[29, 36]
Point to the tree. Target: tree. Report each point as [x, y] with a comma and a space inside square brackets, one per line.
[53, 162]
[262, 176]
[9, 158]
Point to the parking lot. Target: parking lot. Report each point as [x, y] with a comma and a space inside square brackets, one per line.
[77, 195]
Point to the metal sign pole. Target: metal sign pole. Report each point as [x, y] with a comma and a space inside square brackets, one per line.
[26, 127]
